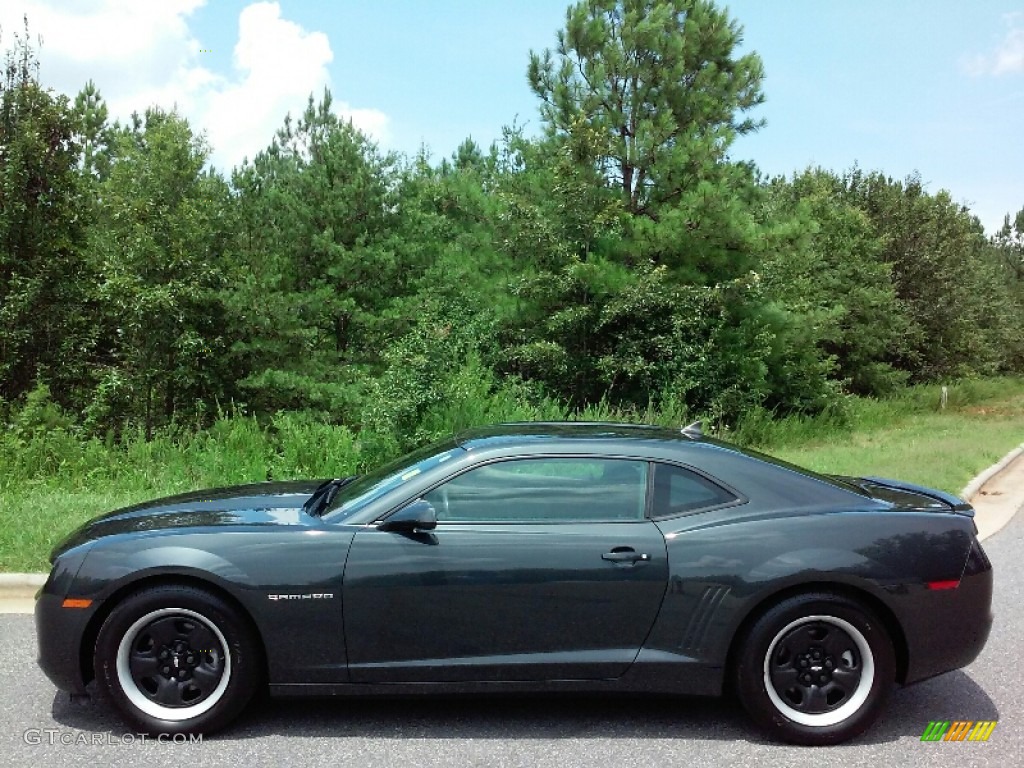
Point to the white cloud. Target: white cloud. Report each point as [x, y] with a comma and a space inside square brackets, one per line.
[279, 64]
[126, 47]
[370, 121]
[1008, 56]
[145, 53]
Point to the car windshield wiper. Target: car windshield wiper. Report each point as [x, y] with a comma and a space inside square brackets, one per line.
[324, 494]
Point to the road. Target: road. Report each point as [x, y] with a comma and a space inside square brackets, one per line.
[38, 726]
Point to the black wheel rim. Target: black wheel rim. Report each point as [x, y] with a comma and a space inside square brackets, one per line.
[816, 667]
[176, 661]
[173, 664]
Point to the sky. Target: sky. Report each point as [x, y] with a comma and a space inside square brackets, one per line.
[934, 87]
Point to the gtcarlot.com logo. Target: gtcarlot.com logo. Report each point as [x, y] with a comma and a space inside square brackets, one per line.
[56, 736]
[958, 730]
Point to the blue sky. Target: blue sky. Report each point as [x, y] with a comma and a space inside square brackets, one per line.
[933, 86]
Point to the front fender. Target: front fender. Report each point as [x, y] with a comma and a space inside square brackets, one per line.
[254, 569]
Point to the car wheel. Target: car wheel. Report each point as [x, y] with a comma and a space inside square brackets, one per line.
[177, 659]
[815, 669]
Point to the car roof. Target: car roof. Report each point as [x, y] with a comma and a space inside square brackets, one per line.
[531, 432]
[687, 444]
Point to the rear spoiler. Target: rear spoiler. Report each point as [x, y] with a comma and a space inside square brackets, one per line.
[957, 504]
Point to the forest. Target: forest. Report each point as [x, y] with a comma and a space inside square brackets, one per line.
[621, 261]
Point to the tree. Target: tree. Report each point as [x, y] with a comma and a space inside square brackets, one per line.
[93, 133]
[649, 95]
[596, 332]
[443, 230]
[1009, 241]
[1008, 247]
[650, 293]
[314, 272]
[552, 209]
[159, 251]
[649, 90]
[962, 320]
[46, 328]
[837, 283]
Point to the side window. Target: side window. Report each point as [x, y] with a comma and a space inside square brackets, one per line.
[545, 490]
[677, 491]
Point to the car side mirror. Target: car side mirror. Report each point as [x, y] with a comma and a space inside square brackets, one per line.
[418, 515]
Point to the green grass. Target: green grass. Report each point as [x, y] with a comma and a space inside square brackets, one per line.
[52, 481]
[910, 438]
[939, 450]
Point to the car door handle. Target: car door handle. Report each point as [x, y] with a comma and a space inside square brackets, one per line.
[625, 555]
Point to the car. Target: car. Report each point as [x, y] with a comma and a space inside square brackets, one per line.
[531, 557]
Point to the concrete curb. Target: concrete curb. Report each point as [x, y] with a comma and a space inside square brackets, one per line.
[18, 591]
[997, 494]
[975, 485]
[21, 580]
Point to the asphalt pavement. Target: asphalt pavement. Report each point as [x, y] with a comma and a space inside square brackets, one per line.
[41, 727]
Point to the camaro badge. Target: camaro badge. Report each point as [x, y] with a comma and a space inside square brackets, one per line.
[307, 596]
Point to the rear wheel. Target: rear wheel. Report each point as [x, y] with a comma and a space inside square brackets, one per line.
[178, 659]
[815, 669]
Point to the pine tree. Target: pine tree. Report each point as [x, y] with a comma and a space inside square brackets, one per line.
[650, 90]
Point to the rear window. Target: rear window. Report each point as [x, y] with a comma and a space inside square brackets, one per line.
[678, 491]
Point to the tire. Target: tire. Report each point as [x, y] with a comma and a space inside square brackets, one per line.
[178, 659]
[815, 669]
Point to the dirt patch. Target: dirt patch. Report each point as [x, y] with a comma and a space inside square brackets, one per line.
[994, 410]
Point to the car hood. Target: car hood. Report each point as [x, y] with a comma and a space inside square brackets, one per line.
[277, 503]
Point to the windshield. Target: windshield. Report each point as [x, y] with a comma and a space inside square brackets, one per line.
[375, 484]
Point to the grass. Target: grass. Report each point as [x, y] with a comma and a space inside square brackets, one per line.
[911, 439]
[939, 450]
[52, 481]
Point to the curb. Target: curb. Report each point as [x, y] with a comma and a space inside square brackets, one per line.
[21, 580]
[975, 485]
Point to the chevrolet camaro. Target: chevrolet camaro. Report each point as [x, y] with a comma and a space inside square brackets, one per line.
[539, 557]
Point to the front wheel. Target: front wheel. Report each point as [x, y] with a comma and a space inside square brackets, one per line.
[815, 669]
[177, 659]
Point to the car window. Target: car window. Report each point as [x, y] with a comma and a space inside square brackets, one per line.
[373, 485]
[678, 490]
[545, 490]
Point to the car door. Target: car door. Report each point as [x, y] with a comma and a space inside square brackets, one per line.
[540, 568]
